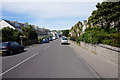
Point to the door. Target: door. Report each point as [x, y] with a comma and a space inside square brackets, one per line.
[17, 46]
[12, 47]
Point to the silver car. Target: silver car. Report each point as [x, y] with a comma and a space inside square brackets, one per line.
[64, 40]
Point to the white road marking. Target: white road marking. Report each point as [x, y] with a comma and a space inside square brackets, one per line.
[18, 64]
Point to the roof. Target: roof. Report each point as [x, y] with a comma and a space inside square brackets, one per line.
[12, 23]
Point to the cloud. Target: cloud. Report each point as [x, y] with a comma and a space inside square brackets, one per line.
[51, 14]
[52, 0]
[55, 24]
[50, 10]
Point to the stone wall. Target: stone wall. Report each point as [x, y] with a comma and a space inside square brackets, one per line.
[109, 52]
[30, 42]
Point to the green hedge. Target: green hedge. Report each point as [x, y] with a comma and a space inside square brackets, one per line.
[112, 39]
[73, 38]
[98, 35]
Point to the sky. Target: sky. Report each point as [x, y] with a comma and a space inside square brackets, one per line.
[50, 14]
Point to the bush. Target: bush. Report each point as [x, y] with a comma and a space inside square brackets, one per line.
[73, 38]
[9, 34]
[45, 37]
[40, 40]
[98, 35]
[78, 41]
[66, 33]
[112, 39]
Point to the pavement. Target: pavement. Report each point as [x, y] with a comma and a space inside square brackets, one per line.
[53, 60]
[102, 66]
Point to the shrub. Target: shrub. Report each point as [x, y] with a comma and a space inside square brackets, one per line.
[65, 33]
[112, 39]
[40, 39]
[73, 38]
[98, 35]
[9, 34]
[77, 40]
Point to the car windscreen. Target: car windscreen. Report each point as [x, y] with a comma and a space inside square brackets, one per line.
[3, 44]
[64, 38]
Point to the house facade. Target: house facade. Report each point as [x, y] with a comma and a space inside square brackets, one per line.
[84, 26]
[4, 23]
[11, 24]
[17, 25]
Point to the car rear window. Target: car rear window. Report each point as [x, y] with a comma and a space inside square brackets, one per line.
[64, 38]
[3, 44]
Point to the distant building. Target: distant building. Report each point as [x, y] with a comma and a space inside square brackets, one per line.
[84, 25]
[42, 31]
[56, 33]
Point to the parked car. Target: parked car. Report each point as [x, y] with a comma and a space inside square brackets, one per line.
[50, 39]
[64, 40]
[57, 37]
[45, 40]
[54, 37]
[10, 48]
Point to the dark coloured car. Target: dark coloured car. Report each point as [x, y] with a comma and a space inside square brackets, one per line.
[10, 48]
[50, 39]
[45, 40]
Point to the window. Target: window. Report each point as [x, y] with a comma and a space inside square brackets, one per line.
[64, 38]
[12, 44]
[3, 44]
[16, 43]
[16, 24]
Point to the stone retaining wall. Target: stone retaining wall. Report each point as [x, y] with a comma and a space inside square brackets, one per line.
[109, 52]
[30, 42]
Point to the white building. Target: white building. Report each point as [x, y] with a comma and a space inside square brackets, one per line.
[56, 33]
[4, 23]
[17, 25]
[43, 32]
[84, 25]
[11, 24]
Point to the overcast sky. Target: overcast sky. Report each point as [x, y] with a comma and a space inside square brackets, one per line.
[57, 14]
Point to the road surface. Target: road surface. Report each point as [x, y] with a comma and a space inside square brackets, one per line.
[50, 60]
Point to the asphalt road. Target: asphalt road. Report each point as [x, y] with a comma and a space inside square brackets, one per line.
[51, 60]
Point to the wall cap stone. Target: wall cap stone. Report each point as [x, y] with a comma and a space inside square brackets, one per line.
[109, 47]
[106, 46]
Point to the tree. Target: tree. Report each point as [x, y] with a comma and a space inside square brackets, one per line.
[65, 33]
[77, 29]
[106, 13]
[29, 32]
[9, 34]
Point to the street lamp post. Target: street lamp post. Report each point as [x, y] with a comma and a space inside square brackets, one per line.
[21, 37]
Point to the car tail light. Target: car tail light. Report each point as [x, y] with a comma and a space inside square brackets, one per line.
[6, 48]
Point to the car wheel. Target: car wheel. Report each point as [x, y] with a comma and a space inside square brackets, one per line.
[11, 52]
[4, 54]
[22, 50]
